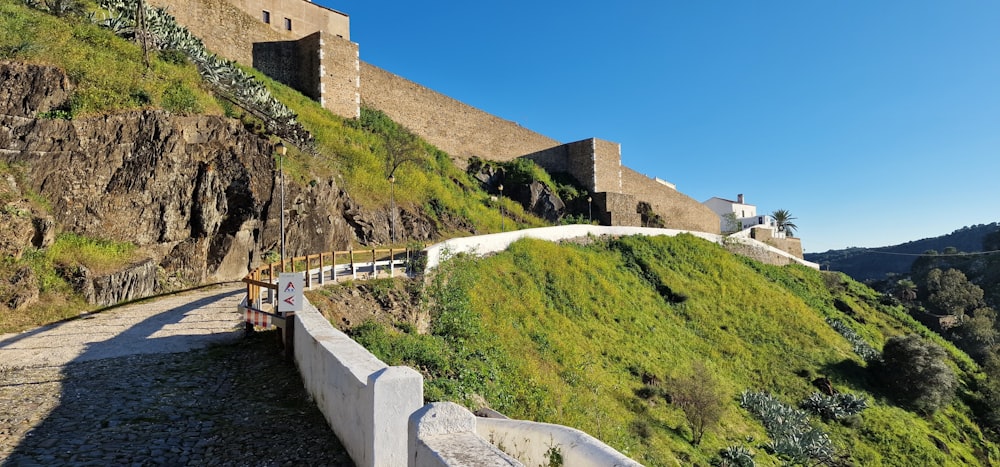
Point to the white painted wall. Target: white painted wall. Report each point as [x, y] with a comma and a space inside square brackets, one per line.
[444, 434]
[366, 402]
[530, 441]
[486, 244]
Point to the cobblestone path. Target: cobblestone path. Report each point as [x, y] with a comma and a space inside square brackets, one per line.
[176, 384]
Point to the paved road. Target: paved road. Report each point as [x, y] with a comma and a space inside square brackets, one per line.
[166, 382]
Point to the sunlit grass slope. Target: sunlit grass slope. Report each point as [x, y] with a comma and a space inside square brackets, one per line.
[109, 72]
[573, 334]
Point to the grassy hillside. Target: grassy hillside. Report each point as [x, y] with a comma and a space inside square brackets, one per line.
[594, 336]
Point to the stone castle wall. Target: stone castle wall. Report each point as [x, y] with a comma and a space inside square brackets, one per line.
[322, 65]
[326, 67]
[340, 76]
[459, 129]
[678, 210]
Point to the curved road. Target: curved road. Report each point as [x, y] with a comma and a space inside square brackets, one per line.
[162, 382]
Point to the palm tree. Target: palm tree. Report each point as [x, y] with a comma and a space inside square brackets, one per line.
[784, 219]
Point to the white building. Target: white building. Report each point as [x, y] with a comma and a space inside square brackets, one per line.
[745, 215]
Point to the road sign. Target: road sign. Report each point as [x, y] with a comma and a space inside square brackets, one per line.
[290, 288]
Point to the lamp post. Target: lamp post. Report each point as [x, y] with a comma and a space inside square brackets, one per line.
[281, 150]
[590, 210]
[392, 209]
[501, 207]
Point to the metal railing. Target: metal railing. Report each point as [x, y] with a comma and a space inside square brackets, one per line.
[328, 266]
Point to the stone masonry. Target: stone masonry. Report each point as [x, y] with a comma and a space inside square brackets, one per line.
[308, 47]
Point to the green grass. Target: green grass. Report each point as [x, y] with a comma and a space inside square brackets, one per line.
[108, 71]
[566, 334]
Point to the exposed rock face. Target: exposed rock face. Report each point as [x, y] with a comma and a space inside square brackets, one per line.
[21, 290]
[539, 199]
[199, 194]
[136, 281]
[535, 197]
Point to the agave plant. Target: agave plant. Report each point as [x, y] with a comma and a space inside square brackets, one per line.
[835, 407]
[791, 434]
[861, 347]
[224, 75]
[734, 456]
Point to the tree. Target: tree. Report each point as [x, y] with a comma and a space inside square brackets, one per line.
[906, 290]
[977, 335]
[730, 223]
[784, 219]
[697, 393]
[401, 147]
[951, 292]
[914, 372]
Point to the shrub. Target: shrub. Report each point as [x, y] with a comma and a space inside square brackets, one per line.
[914, 372]
[697, 394]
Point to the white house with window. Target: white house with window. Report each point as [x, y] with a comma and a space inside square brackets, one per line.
[742, 214]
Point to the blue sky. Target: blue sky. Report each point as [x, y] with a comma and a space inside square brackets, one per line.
[874, 123]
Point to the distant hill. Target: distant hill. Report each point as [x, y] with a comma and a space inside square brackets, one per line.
[875, 263]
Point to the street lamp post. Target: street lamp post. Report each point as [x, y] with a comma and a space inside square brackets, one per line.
[590, 210]
[501, 207]
[281, 150]
[392, 209]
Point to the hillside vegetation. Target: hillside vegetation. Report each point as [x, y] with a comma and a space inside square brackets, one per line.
[602, 336]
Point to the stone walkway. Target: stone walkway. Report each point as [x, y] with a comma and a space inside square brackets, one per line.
[167, 382]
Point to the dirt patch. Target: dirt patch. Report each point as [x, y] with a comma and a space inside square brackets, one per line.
[394, 302]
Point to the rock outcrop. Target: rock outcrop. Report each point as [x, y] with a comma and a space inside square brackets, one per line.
[534, 196]
[197, 194]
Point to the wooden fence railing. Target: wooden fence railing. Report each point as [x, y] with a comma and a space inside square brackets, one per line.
[328, 266]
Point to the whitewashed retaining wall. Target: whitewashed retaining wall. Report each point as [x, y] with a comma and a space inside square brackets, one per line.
[366, 402]
[485, 244]
[532, 443]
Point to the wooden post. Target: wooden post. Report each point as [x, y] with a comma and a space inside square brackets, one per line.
[392, 259]
[321, 278]
[270, 280]
[354, 270]
[374, 266]
[308, 272]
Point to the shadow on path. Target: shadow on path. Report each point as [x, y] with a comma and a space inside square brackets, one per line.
[140, 397]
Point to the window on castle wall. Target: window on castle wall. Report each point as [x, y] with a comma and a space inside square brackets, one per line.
[288, 24]
[267, 17]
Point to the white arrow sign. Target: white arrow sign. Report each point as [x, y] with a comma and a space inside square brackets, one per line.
[290, 288]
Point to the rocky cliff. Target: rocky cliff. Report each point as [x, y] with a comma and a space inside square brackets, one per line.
[197, 194]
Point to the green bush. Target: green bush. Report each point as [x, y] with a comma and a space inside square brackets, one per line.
[915, 372]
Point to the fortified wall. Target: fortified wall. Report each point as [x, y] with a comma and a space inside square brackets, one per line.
[308, 47]
[304, 45]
